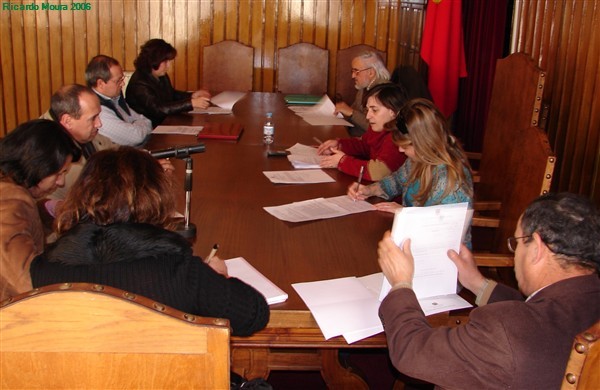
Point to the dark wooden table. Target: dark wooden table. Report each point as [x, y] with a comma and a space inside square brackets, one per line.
[228, 196]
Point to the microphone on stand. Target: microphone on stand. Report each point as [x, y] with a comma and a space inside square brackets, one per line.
[188, 230]
[178, 151]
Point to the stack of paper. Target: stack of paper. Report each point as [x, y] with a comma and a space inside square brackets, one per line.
[241, 269]
[322, 114]
[319, 208]
[349, 306]
[303, 157]
[305, 176]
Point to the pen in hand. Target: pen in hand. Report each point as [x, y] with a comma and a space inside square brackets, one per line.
[360, 176]
[213, 252]
[317, 140]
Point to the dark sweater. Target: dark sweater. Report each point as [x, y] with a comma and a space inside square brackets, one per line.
[155, 98]
[154, 263]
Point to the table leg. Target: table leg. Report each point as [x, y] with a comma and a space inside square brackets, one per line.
[259, 362]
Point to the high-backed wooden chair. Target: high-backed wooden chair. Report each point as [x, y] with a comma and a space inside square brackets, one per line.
[517, 162]
[227, 66]
[302, 68]
[344, 85]
[86, 336]
[583, 367]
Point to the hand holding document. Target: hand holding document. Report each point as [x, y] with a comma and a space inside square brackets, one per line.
[321, 114]
[222, 103]
[319, 208]
[432, 231]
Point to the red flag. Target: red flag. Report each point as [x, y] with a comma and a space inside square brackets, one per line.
[443, 50]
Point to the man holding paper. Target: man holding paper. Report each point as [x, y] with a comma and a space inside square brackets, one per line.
[509, 341]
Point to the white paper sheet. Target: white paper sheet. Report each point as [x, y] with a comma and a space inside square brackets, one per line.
[303, 157]
[240, 268]
[319, 208]
[432, 231]
[342, 307]
[187, 130]
[224, 103]
[321, 114]
[307, 176]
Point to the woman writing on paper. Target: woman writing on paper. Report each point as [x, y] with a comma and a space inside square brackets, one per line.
[437, 170]
[114, 230]
[374, 151]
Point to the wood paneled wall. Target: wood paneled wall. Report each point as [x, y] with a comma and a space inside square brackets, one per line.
[563, 36]
[40, 50]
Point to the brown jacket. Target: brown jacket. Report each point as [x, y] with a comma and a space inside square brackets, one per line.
[507, 344]
[21, 238]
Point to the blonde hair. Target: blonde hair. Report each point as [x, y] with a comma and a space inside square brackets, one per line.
[423, 126]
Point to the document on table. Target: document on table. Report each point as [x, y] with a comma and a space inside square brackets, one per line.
[187, 130]
[222, 103]
[432, 231]
[306, 176]
[303, 157]
[241, 269]
[321, 114]
[319, 208]
[345, 306]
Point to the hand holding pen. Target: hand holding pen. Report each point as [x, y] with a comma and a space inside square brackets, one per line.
[216, 263]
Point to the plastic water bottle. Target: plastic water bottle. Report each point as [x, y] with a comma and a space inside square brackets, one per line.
[268, 130]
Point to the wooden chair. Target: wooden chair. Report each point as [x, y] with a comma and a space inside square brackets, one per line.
[302, 69]
[344, 85]
[227, 66]
[86, 336]
[517, 162]
[583, 367]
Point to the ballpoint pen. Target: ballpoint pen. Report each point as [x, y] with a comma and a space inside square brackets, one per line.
[213, 252]
[360, 175]
[317, 140]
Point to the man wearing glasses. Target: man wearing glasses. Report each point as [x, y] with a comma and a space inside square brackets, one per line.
[368, 70]
[120, 122]
[511, 340]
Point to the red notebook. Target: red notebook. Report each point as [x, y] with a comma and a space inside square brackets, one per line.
[229, 131]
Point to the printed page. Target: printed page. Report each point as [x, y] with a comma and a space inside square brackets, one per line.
[319, 208]
[321, 114]
[307, 176]
[432, 230]
[187, 130]
[227, 99]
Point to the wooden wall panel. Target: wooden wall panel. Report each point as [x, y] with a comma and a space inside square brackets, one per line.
[563, 38]
[41, 50]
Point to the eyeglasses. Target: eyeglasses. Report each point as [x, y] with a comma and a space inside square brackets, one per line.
[357, 71]
[119, 80]
[512, 242]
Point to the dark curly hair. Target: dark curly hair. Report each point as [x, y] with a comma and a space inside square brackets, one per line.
[35, 150]
[152, 53]
[569, 225]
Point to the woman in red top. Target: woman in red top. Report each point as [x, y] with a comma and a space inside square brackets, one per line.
[374, 150]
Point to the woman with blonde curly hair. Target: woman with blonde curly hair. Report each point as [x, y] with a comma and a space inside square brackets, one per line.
[114, 229]
[437, 170]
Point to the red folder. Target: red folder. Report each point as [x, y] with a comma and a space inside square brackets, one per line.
[228, 131]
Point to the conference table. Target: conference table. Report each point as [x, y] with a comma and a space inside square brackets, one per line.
[228, 194]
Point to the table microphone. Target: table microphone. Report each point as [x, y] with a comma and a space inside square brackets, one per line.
[178, 151]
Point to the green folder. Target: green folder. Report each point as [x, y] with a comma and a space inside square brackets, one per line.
[302, 99]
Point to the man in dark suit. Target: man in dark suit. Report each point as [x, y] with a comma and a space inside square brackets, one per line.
[511, 340]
